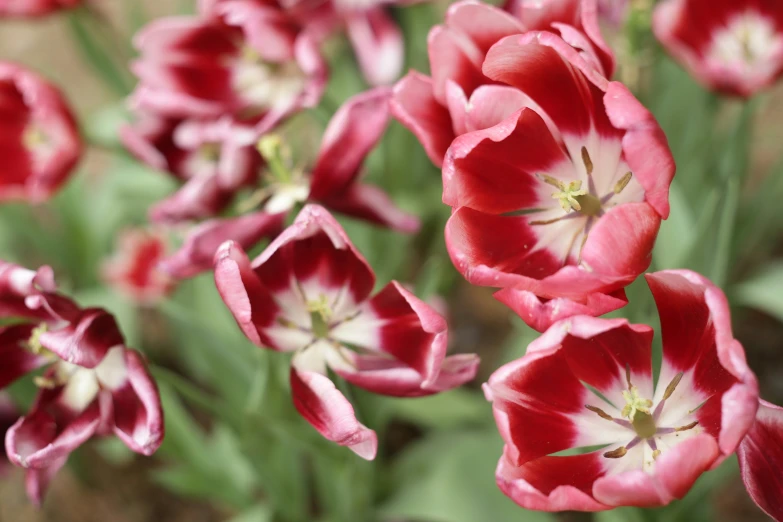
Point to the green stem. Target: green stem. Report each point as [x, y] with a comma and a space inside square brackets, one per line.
[193, 394]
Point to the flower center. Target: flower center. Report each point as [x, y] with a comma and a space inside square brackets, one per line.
[643, 425]
[749, 38]
[265, 85]
[320, 314]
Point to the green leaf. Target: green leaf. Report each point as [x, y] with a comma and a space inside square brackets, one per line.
[259, 513]
[762, 291]
[450, 477]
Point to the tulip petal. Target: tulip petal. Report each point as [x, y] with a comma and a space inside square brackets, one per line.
[17, 361]
[86, 341]
[760, 457]
[378, 44]
[330, 413]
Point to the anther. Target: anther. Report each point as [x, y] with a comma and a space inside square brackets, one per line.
[601, 413]
[616, 454]
[687, 426]
[587, 161]
[672, 386]
[620, 185]
[656, 454]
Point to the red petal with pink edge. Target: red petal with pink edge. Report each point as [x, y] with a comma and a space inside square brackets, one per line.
[378, 44]
[483, 24]
[674, 472]
[552, 74]
[760, 458]
[352, 133]
[494, 170]
[397, 323]
[17, 360]
[645, 146]
[330, 413]
[86, 341]
[50, 431]
[17, 281]
[372, 204]
[37, 480]
[540, 314]
[385, 376]
[552, 483]
[196, 254]
[621, 242]
[415, 106]
[246, 297]
[138, 414]
[480, 250]
[315, 248]
[454, 57]
[491, 104]
[696, 330]
[133, 269]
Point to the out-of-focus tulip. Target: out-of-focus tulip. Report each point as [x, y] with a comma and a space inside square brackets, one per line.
[133, 269]
[732, 46]
[39, 141]
[34, 8]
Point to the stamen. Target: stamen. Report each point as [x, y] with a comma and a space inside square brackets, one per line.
[587, 161]
[616, 454]
[34, 342]
[656, 454]
[620, 185]
[46, 383]
[687, 426]
[672, 386]
[277, 156]
[601, 413]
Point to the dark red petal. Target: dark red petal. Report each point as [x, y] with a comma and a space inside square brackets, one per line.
[481, 251]
[315, 248]
[494, 170]
[138, 414]
[51, 431]
[415, 106]
[760, 457]
[453, 57]
[85, 341]
[17, 359]
[329, 412]
[352, 133]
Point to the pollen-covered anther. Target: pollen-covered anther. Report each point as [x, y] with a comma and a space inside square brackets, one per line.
[587, 161]
[567, 193]
[634, 403]
[656, 454]
[34, 342]
[687, 426]
[601, 413]
[672, 386]
[617, 453]
[620, 185]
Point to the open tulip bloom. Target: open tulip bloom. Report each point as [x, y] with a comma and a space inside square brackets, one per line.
[39, 142]
[92, 385]
[460, 97]
[734, 47]
[563, 199]
[34, 8]
[239, 57]
[309, 293]
[588, 382]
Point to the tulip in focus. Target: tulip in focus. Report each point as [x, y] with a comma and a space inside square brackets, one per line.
[460, 97]
[92, 384]
[563, 199]
[133, 269]
[34, 8]
[309, 293]
[731, 46]
[588, 382]
[39, 141]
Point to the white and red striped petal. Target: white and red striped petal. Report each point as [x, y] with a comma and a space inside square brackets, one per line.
[760, 458]
[328, 411]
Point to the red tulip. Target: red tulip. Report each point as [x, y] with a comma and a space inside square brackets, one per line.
[309, 293]
[732, 46]
[588, 382]
[39, 142]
